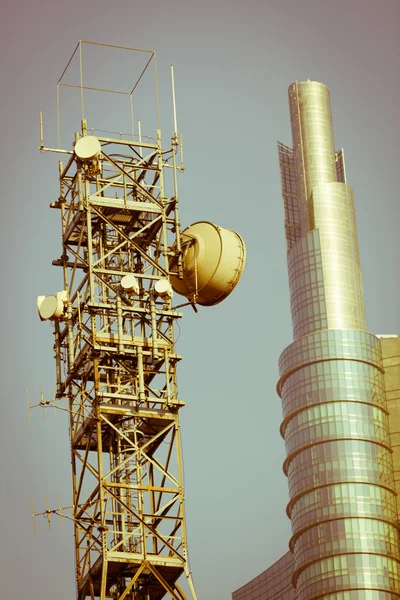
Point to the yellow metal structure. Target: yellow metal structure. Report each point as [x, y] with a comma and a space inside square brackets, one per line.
[116, 362]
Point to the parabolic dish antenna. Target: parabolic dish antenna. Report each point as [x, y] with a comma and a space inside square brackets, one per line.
[50, 308]
[88, 148]
[213, 261]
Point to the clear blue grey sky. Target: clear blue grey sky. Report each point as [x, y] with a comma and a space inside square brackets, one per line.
[233, 63]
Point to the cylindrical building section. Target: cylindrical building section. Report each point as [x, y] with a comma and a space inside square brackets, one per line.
[342, 500]
[332, 214]
[327, 207]
[313, 144]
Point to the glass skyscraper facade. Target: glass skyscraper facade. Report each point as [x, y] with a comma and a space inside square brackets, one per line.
[342, 441]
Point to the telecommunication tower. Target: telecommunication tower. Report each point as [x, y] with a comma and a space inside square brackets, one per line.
[123, 254]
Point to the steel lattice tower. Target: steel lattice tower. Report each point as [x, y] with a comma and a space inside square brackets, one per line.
[116, 363]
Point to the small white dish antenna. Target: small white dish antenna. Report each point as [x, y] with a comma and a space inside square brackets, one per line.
[130, 284]
[163, 288]
[51, 307]
[88, 148]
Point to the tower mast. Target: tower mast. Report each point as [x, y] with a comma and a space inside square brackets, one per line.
[116, 363]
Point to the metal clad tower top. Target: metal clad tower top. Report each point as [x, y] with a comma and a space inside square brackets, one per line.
[313, 144]
[326, 220]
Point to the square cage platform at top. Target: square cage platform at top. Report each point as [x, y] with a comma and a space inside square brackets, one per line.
[113, 88]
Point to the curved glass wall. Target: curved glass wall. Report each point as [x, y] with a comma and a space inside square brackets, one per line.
[339, 461]
[343, 500]
[361, 595]
[329, 345]
[370, 576]
[339, 467]
[312, 132]
[343, 380]
[346, 535]
[335, 422]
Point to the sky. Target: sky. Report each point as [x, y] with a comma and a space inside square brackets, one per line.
[233, 64]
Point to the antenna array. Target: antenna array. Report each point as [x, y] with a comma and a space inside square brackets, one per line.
[116, 363]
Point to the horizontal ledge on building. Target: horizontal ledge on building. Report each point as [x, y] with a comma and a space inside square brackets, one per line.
[299, 533]
[299, 570]
[295, 453]
[306, 407]
[322, 595]
[302, 365]
[297, 497]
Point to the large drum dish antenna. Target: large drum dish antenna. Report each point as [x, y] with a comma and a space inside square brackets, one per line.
[213, 260]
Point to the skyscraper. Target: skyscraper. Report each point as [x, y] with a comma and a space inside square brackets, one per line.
[336, 424]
